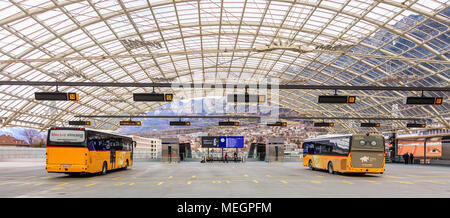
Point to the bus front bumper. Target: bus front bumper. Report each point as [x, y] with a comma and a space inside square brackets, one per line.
[66, 168]
[364, 170]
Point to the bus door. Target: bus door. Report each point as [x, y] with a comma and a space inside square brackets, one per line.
[113, 157]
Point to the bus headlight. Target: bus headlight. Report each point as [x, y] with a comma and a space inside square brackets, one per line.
[373, 143]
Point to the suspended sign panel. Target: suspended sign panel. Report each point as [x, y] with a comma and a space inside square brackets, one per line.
[79, 123]
[245, 98]
[56, 96]
[210, 142]
[424, 100]
[130, 123]
[231, 141]
[337, 99]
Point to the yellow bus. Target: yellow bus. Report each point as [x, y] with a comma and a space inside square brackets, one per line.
[345, 153]
[83, 151]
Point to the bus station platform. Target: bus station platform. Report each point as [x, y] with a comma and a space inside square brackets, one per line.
[223, 180]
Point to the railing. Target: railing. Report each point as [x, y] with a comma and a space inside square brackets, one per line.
[11, 152]
[293, 158]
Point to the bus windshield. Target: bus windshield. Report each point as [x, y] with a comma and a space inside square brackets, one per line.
[72, 136]
[368, 143]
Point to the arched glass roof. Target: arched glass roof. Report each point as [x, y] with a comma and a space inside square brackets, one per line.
[338, 42]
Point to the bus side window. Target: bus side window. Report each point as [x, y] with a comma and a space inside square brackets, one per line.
[311, 148]
[91, 145]
[306, 147]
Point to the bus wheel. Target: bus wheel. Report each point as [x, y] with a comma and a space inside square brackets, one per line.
[104, 168]
[310, 165]
[330, 168]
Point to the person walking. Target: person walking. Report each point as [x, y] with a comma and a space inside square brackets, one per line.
[235, 157]
[406, 157]
[226, 156]
[411, 158]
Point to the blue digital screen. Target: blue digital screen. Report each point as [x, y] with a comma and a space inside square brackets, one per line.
[231, 141]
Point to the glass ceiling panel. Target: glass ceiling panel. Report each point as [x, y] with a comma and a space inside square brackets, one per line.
[194, 36]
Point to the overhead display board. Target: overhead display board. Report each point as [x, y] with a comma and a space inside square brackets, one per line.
[152, 97]
[231, 141]
[79, 123]
[56, 96]
[210, 141]
[130, 123]
[228, 123]
[370, 124]
[424, 100]
[222, 141]
[245, 98]
[180, 123]
[336, 99]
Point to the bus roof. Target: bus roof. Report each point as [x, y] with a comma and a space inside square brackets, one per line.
[333, 136]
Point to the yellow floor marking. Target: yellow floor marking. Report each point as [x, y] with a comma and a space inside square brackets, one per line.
[351, 183]
[131, 184]
[245, 175]
[315, 181]
[194, 176]
[427, 176]
[319, 176]
[115, 178]
[374, 182]
[45, 177]
[160, 183]
[228, 181]
[90, 184]
[170, 177]
[405, 182]
[219, 181]
[391, 176]
[214, 181]
[120, 183]
[189, 182]
[268, 175]
[27, 183]
[284, 181]
[255, 181]
[29, 177]
[63, 184]
[435, 182]
[38, 184]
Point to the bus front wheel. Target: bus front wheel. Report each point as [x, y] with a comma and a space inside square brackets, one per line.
[330, 168]
[310, 165]
[104, 168]
[126, 165]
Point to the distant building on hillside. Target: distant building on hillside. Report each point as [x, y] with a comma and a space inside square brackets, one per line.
[149, 147]
[9, 140]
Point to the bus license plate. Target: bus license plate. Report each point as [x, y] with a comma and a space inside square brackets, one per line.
[66, 165]
[367, 165]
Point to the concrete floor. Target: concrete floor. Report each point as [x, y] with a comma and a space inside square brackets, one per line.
[217, 180]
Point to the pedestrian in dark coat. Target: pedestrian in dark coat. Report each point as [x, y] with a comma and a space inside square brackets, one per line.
[406, 157]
